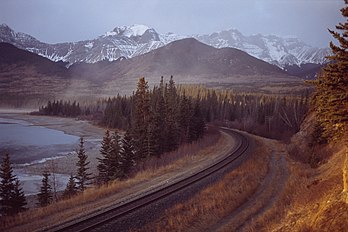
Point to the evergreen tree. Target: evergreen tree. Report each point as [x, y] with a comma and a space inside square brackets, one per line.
[82, 176]
[185, 118]
[197, 124]
[127, 156]
[113, 162]
[331, 96]
[141, 118]
[7, 186]
[18, 199]
[71, 188]
[172, 130]
[105, 150]
[45, 196]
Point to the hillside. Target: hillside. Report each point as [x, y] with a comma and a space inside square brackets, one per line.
[313, 199]
[26, 77]
[12, 58]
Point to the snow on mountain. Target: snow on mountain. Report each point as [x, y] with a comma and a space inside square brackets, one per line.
[273, 49]
[128, 31]
[134, 40]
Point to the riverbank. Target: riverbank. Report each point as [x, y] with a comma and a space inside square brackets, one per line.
[60, 159]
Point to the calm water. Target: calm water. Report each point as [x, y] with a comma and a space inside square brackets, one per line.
[22, 133]
[27, 143]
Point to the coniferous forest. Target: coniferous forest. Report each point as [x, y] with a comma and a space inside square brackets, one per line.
[179, 110]
[157, 121]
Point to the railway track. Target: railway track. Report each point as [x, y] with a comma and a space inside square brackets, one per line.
[103, 218]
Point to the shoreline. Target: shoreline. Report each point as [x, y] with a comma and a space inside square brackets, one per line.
[69, 126]
[64, 165]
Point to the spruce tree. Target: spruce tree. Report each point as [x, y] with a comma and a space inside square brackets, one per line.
[141, 118]
[71, 188]
[185, 118]
[113, 162]
[197, 124]
[331, 95]
[7, 186]
[45, 196]
[127, 156]
[18, 199]
[83, 176]
[159, 127]
[172, 129]
[105, 151]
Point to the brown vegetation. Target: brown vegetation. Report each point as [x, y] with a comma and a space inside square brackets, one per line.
[217, 201]
[155, 174]
[311, 200]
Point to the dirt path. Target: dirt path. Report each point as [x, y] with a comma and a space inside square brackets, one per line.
[262, 200]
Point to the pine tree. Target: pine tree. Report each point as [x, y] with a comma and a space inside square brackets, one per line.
[45, 196]
[18, 199]
[113, 161]
[127, 156]
[71, 188]
[197, 124]
[105, 150]
[331, 96]
[185, 118]
[7, 185]
[82, 176]
[141, 118]
[172, 130]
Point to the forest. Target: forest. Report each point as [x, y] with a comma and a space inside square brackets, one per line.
[271, 115]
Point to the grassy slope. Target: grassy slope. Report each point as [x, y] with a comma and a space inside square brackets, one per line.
[312, 200]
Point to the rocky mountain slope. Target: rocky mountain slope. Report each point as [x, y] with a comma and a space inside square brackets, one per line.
[270, 48]
[131, 41]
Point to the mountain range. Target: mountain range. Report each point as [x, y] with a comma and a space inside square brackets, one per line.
[131, 41]
[26, 76]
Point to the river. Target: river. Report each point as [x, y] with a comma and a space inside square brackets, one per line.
[32, 143]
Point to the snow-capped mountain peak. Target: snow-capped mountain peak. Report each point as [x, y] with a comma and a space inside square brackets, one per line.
[134, 40]
[129, 31]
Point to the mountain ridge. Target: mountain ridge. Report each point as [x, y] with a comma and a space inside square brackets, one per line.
[188, 60]
[134, 40]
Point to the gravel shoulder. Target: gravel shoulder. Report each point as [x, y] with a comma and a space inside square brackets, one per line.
[269, 190]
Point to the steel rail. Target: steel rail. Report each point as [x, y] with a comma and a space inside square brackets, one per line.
[100, 219]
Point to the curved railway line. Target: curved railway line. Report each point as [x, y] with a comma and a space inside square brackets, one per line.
[101, 219]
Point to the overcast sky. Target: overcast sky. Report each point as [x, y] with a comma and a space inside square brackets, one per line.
[72, 20]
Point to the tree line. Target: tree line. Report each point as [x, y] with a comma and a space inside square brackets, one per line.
[178, 108]
[273, 116]
[62, 108]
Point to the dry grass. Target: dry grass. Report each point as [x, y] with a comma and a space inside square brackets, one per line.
[96, 198]
[217, 201]
[311, 200]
